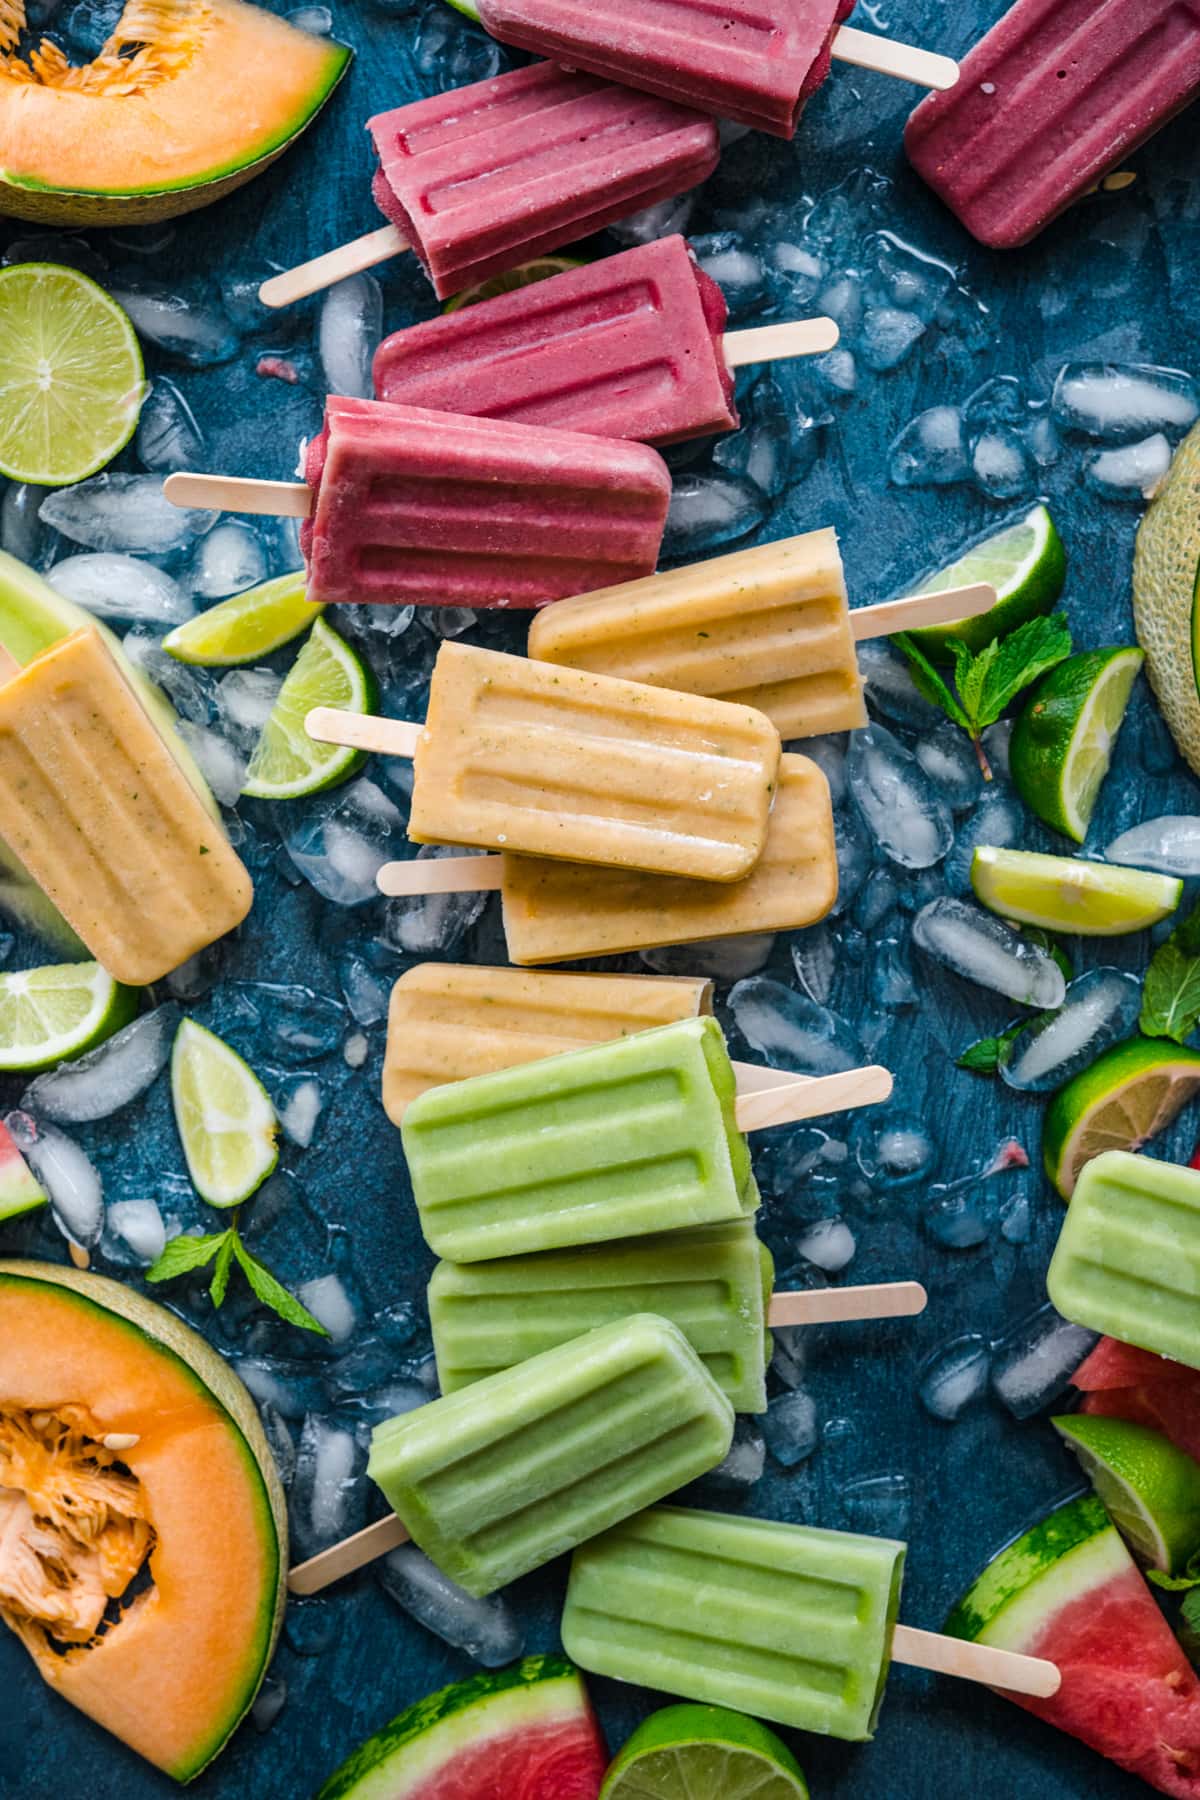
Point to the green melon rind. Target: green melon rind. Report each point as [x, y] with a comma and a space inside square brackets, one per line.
[1040, 1571]
[209, 1374]
[20, 1190]
[1165, 579]
[446, 1722]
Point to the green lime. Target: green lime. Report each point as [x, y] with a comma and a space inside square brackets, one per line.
[71, 375]
[286, 762]
[684, 1752]
[52, 1014]
[1064, 893]
[225, 1117]
[513, 279]
[1150, 1490]
[467, 7]
[246, 626]
[1166, 596]
[1027, 566]
[1063, 741]
[1127, 1097]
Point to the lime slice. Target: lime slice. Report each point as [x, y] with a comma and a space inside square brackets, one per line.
[684, 1752]
[467, 7]
[1166, 596]
[1027, 566]
[1150, 1490]
[1126, 1098]
[71, 375]
[49, 1015]
[286, 762]
[246, 626]
[225, 1118]
[513, 279]
[1064, 893]
[1063, 741]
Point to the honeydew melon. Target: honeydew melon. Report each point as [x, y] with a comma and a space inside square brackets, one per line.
[143, 1530]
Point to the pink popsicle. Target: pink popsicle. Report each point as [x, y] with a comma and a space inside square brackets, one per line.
[1055, 96]
[756, 61]
[630, 347]
[430, 508]
[486, 177]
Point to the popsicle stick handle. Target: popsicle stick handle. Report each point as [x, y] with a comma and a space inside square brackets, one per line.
[323, 271]
[841, 1306]
[442, 875]
[812, 1099]
[755, 1078]
[777, 343]
[232, 493]
[920, 610]
[344, 1559]
[9, 666]
[1006, 1669]
[359, 731]
[924, 68]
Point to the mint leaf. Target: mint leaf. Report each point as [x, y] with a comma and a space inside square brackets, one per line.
[971, 673]
[272, 1293]
[183, 1254]
[220, 1280]
[1171, 996]
[928, 681]
[1188, 1631]
[1020, 659]
[983, 1057]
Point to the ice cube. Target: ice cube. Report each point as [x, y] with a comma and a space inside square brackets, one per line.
[1000, 464]
[188, 323]
[761, 451]
[449, 53]
[982, 948]
[329, 1495]
[854, 859]
[931, 451]
[70, 1180]
[790, 1427]
[999, 821]
[828, 1245]
[791, 1031]
[708, 511]
[168, 436]
[222, 766]
[187, 687]
[244, 699]
[269, 1703]
[829, 754]
[1117, 403]
[365, 991]
[299, 1024]
[22, 531]
[955, 1221]
[879, 1505]
[814, 958]
[1033, 1362]
[1132, 472]
[664, 219]
[1169, 845]
[330, 1305]
[893, 1148]
[124, 513]
[743, 1467]
[283, 1448]
[892, 983]
[905, 813]
[349, 332]
[230, 559]
[141, 1226]
[954, 1376]
[426, 924]
[888, 334]
[120, 587]
[317, 20]
[108, 1078]
[1098, 1010]
[355, 1050]
[299, 1114]
[717, 959]
[345, 841]
[486, 1630]
[890, 690]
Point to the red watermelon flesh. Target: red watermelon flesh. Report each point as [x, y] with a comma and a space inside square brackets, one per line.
[20, 1192]
[564, 1761]
[1121, 1382]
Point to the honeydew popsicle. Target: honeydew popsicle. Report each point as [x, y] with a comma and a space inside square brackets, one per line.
[633, 346]
[102, 817]
[787, 1622]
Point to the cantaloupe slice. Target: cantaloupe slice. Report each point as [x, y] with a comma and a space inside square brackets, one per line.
[187, 100]
[143, 1533]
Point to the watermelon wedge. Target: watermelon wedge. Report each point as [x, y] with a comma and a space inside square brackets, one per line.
[527, 1733]
[20, 1191]
[1121, 1382]
[1069, 1590]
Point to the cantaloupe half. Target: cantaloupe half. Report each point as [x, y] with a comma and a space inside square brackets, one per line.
[187, 100]
[143, 1534]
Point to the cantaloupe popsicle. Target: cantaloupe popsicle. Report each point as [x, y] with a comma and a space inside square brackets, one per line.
[102, 817]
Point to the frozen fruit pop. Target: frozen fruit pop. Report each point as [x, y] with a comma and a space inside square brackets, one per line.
[104, 820]
[787, 1622]
[1056, 95]
[484, 178]
[408, 507]
[559, 911]
[1127, 1261]
[631, 347]
[501, 1478]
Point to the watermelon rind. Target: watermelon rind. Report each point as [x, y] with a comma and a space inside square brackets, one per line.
[20, 1190]
[1073, 1550]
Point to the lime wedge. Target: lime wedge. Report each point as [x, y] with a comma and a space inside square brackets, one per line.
[1166, 597]
[286, 762]
[225, 1118]
[1064, 893]
[512, 280]
[1126, 1098]
[467, 7]
[684, 1752]
[71, 375]
[1027, 566]
[246, 626]
[1063, 741]
[52, 1014]
[1150, 1490]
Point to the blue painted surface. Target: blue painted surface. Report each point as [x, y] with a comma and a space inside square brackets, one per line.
[1116, 277]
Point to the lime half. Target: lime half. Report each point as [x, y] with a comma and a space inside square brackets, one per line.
[684, 1752]
[1126, 1098]
[1027, 566]
[225, 1117]
[246, 626]
[1150, 1490]
[1063, 741]
[49, 1015]
[1165, 587]
[287, 763]
[71, 375]
[1065, 893]
[513, 280]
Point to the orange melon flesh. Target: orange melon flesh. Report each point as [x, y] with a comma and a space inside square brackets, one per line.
[177, 1672]
[249, 84]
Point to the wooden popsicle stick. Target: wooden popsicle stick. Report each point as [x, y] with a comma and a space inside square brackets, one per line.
[905, 62]
[9, 666]
[344, 1559]
[442, 875]
[807, 1098]
[838, 1306]
[777, 343]
[1007, 1669]
[235, 493]
[361, 731]
[921, 610]
[323, 271]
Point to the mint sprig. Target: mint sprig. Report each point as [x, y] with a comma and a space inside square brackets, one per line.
[184, 1255]
[984, 686]
[1171, 995]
